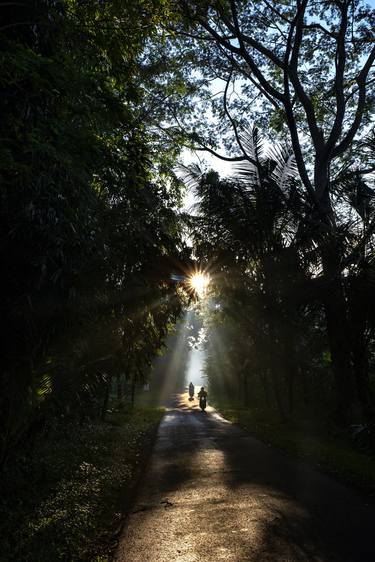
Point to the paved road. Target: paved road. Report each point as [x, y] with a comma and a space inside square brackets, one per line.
[213, 493]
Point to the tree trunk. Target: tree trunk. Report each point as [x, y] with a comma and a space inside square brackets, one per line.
[336, 304]
[365, 396]
[119, 387]
[339, 344]
[276, 368]
[303, 374]
[263, 375]
[278, 394]
[361, 366]
[360, 336]
[245, 389]
[105, 401]
[290, 365]
[134, 378]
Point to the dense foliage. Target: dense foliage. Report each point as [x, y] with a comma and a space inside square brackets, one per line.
[89, 223]
[268, 345]
[302, 70]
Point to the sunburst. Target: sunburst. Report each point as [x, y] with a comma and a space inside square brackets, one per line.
[199, 282]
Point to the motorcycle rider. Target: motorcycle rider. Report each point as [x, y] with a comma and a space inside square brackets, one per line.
[202, 394]
[191, 390]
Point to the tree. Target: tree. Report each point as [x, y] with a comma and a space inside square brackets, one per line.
[249, 230]
[90, 230]
[311, 64]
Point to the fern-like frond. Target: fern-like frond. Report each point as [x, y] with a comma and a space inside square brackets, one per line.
[284, 167]
[190, 175]
[253, 145]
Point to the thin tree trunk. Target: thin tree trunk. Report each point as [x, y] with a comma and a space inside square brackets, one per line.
[339, 344]
[119, 387]
[245, 390]
[263, 375]
[305, 384]
[360, 352]
[134, 378]
[278, 394]
[105, 401]
[276, 368]
[290, 366]
[336, 305]
[361, 371]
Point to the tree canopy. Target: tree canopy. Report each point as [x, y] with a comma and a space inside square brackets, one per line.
[90, 231]
[98, 100]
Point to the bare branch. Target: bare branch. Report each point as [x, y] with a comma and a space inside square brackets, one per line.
[220, 156]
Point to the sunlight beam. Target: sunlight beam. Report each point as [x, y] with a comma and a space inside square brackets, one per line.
[199, 283]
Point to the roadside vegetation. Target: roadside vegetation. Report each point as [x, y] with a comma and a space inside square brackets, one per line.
[65, 495]
[287, 235]
[343, 455]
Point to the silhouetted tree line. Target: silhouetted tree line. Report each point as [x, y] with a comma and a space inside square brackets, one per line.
[291, 234]
[89, 220]
[269, 341]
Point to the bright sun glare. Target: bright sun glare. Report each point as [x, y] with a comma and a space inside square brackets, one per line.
[199, 282]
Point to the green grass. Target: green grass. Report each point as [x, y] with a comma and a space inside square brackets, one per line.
[308, 439]
[67, 500]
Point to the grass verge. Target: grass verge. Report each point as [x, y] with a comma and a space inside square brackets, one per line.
[66, 501]
[306, 439]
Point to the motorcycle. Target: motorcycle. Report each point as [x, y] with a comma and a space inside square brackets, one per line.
[191, 393]
[202, 403]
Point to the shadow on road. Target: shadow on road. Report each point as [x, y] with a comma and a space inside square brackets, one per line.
[212, 488]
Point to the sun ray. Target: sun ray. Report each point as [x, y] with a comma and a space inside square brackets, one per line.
[199, 283]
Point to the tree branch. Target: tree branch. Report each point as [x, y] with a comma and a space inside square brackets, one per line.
[292, 68]
[360, 246]
[315, 25]
[273, 9]
[339, 81]
[233, 123]
[250, 61]
[220, 156]
[288, 105]
[250, 41]
[361, 81]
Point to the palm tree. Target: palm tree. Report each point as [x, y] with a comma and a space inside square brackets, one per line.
[249, 228]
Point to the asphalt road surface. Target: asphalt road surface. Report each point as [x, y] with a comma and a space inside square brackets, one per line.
[212, 492]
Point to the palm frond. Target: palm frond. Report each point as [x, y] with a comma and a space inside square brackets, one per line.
[190, 175]
[283, 168]
[253, 145]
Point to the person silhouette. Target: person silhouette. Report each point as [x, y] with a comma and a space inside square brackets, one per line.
[191, 390]
[202, 395]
